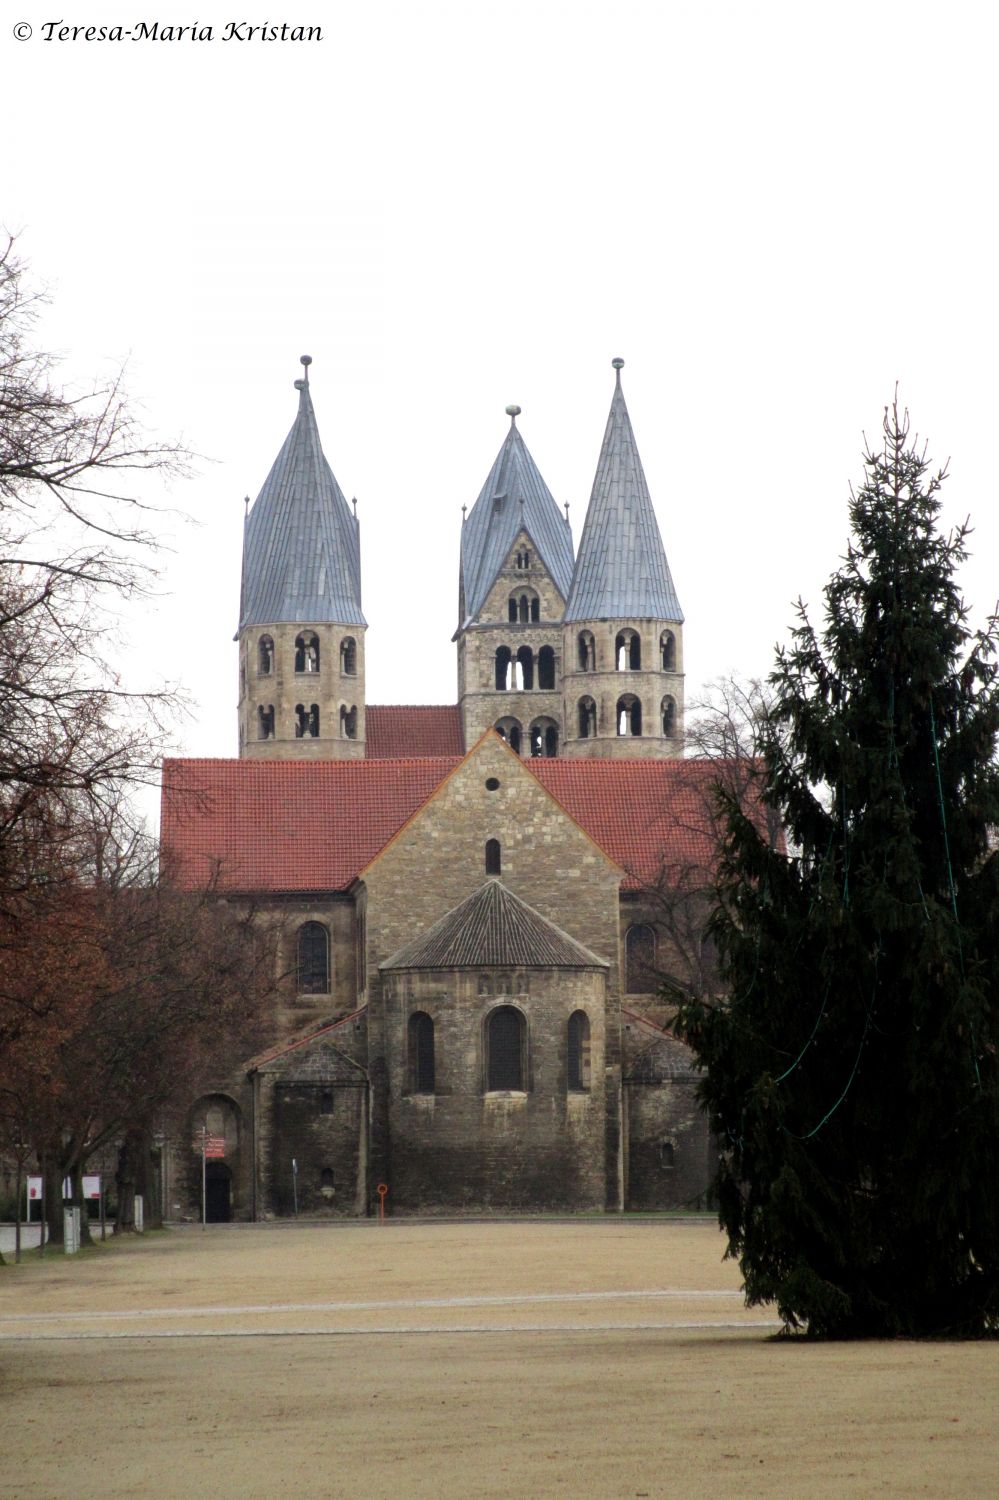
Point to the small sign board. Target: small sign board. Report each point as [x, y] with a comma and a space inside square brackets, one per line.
[91, 1187]
[214, 1146]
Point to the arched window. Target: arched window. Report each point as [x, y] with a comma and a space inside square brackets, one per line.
[524, 609]
[509, 729]
[535, 610]
[348, 722]
[348, 656]
[506, 1046]
[525, 668]
[421, 1053]
[301, 721]
[512, 609]
[667, 647]
[313, 959]
[587, 651]
[314, 720]
[629, 715]
[307, 652]
[628, 651]
[640, 960]
[669, 717]
[587, 718]
[503, 675]
[578, 1055]
[493, 857]
[544, 738]
[546, 668]
[265, 656]
[265, 721]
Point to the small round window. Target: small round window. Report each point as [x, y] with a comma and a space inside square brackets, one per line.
[492, 784]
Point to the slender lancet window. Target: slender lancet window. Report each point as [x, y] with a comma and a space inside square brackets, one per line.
[579, 1052]
[422, 1076]
[505, 1048]
[313, 959]
[640, 960]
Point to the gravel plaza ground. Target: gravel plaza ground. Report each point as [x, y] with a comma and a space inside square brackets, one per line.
[596, 1358]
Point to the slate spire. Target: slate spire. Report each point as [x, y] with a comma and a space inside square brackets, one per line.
[301, 546]
[513, 498]
[621, 569]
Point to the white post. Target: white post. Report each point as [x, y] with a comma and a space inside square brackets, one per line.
[138, 1214]
[204, 1176]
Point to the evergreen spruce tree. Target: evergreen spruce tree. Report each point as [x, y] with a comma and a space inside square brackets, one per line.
[852, 1074]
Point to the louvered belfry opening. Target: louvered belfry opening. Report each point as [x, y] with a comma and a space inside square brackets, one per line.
[505, 1044]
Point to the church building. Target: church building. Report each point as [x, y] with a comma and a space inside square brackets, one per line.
[467, 897]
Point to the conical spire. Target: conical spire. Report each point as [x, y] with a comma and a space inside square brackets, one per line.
[621, 571]
[513, 498]
[301, 547]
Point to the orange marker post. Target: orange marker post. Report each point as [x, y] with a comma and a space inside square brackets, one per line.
[382, 1191]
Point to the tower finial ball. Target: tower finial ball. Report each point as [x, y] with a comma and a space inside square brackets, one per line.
[513, 411]
[618, 364]
[306, 360]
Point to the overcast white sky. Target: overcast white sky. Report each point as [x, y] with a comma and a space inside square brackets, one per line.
[772, 212]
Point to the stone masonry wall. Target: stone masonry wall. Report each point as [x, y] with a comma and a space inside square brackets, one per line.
[283, 688]
[438, 858]
[605, 684]
[482, 703]
[463, 1147]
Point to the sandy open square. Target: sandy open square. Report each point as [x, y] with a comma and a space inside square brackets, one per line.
[604, 1358]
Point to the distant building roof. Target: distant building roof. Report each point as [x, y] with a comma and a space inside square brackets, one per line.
[514, 497]
[258, 825]
[493, 927]
[403, 732]
[621, 569]
[301, 545]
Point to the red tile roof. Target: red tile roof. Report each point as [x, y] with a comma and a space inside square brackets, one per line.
[651, 816]
[399, 731]
[313, 825]
[286, 825]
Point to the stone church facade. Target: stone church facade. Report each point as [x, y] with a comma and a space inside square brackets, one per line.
[467, 897]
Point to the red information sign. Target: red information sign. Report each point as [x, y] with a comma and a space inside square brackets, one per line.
[214, 1145]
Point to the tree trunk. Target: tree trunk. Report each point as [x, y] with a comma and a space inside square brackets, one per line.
[129, 1157]
[52, 1199]
[154, 1186]
[80, 1202]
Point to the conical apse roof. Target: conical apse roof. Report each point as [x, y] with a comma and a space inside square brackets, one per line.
[493, 927]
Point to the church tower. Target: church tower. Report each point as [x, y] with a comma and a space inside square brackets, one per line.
[301, 629]
[622, 638]
[516, 566]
